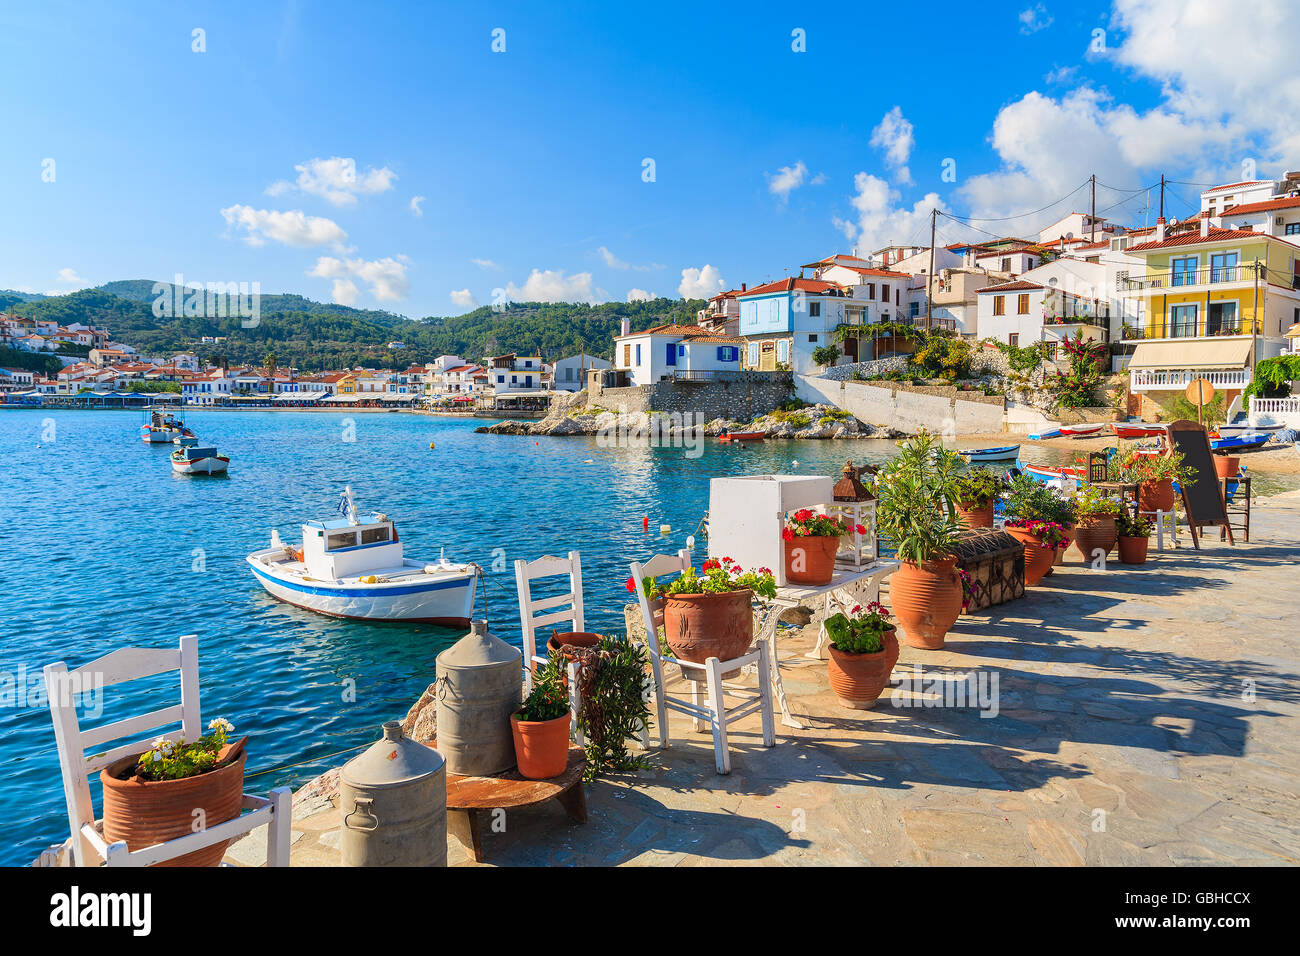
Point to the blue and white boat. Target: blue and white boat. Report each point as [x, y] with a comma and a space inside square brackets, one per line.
[1246, 441]
[355, 567]
[1002, 453]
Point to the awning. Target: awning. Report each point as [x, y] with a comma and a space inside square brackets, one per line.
[1192, 354]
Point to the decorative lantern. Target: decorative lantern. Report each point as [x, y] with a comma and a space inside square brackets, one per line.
[854, 503]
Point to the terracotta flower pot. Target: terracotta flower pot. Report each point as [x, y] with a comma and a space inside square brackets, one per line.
[1038, 560]
[700, 626]
[972, 516]
[541, 746]
[1156, 495]
[1095, 534]
[811, 560]
[1227, 466]
[1133, 550]
[146, 812]
[926, 598]
[859, 679]
[1064, 546]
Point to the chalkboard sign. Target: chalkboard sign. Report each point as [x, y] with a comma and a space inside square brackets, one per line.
[1202, 495]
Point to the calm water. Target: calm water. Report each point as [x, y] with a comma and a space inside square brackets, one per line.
[105, 547]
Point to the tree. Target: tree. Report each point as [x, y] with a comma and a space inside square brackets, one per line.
[825, 354]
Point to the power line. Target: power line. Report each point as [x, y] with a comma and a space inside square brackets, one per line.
[970, 219]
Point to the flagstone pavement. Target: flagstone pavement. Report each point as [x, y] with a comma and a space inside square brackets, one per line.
[1144, 716]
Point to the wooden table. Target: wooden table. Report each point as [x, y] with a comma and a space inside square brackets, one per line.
[470, 798]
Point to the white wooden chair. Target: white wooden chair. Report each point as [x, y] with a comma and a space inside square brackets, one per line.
[569, 605]
[87, 842]
[712, 708]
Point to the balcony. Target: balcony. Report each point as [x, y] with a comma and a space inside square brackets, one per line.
[1201, 328]
[1141, 380]
[1187, 278]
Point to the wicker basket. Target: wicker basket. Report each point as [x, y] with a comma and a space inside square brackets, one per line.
[996, 562]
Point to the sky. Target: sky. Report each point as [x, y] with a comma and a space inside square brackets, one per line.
[428, 158]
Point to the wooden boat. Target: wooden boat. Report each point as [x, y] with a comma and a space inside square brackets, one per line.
[1245, 442]
[1067, 475]
[1135, 430]
[1049, 433]
[1238, 429]
[1082, 431]
[191, 459]
[1004, 453]
[742, 436]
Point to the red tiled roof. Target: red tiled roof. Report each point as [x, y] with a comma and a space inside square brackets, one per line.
[1268, 205]
[1195, 238]
[883, 273]
[1019, 285]
[790, 285]
[1248, 182]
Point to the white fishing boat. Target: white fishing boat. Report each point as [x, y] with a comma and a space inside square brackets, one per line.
[1001, 453]
[1082, 431]
[355, 567]
[191, 458]
[1243, 427]
[163, 427]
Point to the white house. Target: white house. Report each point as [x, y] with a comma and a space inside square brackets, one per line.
[676, 351]
[1047, 304]
[515, 374]
[570, 374]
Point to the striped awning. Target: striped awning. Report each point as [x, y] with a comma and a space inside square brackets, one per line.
[1192, 354]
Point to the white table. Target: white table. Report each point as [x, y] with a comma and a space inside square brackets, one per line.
[835, 594]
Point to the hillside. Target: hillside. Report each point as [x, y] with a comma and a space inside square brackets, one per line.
[315, 335]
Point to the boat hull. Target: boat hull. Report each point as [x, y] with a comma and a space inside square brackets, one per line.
[1008, 453]
[1081, 431]
[1134, 431]
[157, 436]
[743, 436]
[446, 601]
[201, 466]
[1237, 431]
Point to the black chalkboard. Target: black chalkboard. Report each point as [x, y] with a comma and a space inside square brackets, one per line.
[1202, 494]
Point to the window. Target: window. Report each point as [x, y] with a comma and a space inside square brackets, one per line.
[681, 349]
[638, 353]
[1183, 271]
[728, 353]
[1223, 267]
[340, 539]
[871, 290]
[1221, 318]
[1293, 229]
[627, 356]
[812, 339]
[1182, 321]
[915, 308]
[374, 535]
[1022, 304]
[999, 305]
[884, 292]
[815, 309]
[1005, 265]
[1013, 339]
[783, 350]
[501, 379]
[753, 353]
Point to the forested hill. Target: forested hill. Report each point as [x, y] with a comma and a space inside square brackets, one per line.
[315, 335]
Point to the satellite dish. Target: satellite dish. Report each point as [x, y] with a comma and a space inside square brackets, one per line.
[1173, 222]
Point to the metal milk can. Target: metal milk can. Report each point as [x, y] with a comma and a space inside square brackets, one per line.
[393, 801]
[479, 685]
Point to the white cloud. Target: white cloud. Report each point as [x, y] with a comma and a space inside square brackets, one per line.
[1061, 74]
[787, 179]
[611, 260]
[700, 283]
[1034, 18]
[639, 295]
[415, 205]
[336, 180]
[344, 291]
[386, 277]
[464, 298]
[293, 228]
[70, 276]
[552, 286]
[485, 264]
[893, 136]
[881, 219]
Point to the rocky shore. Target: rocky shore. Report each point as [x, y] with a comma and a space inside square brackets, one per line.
[573, 416]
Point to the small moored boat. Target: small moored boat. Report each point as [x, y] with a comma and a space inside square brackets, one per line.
[1248, 441]
[356, 568]
[1135, 430]
[1067, 476]
[1004, 453]
[742, 436]
[1082, 431]
[190, 458]
[163, 427]
[1240, 428]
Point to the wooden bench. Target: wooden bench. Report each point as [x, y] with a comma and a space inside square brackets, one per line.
[469, 798]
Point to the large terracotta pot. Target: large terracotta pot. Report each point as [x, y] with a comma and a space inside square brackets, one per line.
[700, 626]
[859, 679]
[972, 516]
[146, 812]
[541, 746]
[1156, 495]
[1038, 560]
[1133, 550]
[1227, 466]
[811, 560]
[1059, 556]
[1093, 534]
[926, 598]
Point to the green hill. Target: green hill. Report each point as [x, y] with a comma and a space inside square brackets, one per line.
[315, 335]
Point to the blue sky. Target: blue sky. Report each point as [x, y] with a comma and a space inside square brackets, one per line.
[232, 164]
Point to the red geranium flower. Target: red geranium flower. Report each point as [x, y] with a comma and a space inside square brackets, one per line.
[631, 585]
[710, 564]
[803, 514]
[787, 534]
[860, 529]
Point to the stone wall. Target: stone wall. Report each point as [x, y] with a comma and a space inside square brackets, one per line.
[910, 408]
[740, 397]
[840, 373]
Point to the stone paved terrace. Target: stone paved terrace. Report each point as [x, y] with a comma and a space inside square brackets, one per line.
[1146, 716]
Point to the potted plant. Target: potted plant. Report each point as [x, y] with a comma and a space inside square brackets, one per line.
[1095, 516]
[710, 614]
[914, 511]
[811, 541]
[1134, 537]
[156, 796]
[1226, 466]
[567, 642]
[1037, 517]
[863, 651]
[1154, 474]
[541, 726]
[976, 491]
[613, 691]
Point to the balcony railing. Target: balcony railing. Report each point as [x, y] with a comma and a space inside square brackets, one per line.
[1172, 329]
[1141, 379]
[1202, 275]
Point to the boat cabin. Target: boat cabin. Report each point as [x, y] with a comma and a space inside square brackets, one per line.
[195, 452]
[342, 548]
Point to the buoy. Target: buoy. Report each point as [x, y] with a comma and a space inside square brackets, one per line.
[795, 463]
[645, 524]
[665, 528]
[690, 542]
[431, 446]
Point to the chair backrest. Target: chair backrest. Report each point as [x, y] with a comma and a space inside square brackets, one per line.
[535, 614]
[659, 565]
[63, 687]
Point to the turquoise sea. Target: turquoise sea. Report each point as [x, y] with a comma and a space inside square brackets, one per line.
[104, 547]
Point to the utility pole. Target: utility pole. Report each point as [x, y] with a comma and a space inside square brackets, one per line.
[1162, 197]
[1254, 320]
[1093, 214]
[929, 279]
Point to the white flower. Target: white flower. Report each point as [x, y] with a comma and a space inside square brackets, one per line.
[220, 723]
[157, 756]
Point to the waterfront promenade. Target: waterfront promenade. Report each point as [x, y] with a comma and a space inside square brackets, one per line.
[1146, 716]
